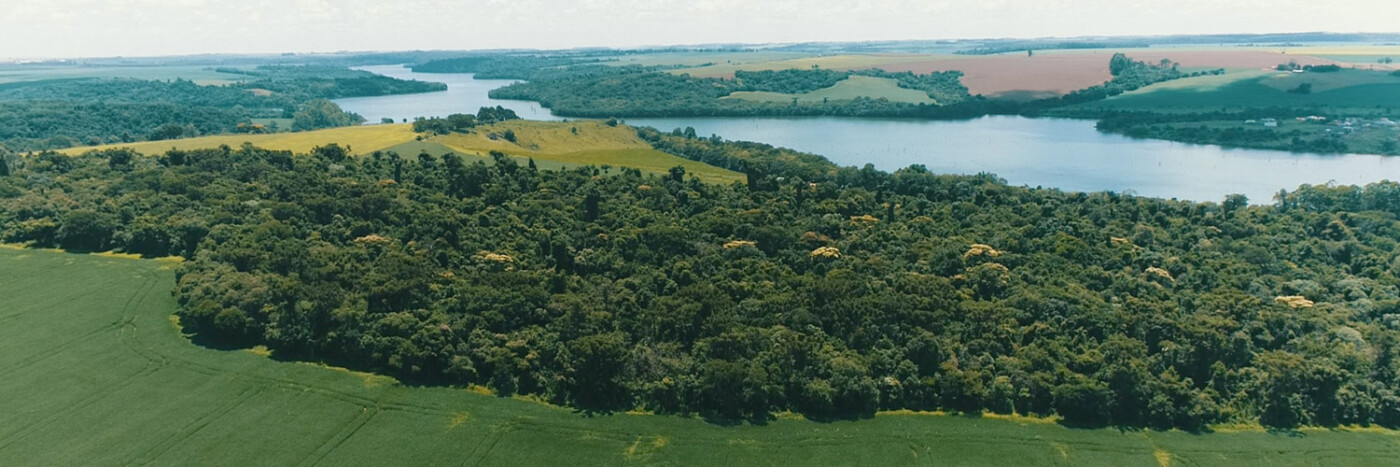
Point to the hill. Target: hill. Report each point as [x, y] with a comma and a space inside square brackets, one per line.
[1342, 91]
[550, 144]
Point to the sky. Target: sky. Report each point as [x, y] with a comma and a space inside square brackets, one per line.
[105, 28]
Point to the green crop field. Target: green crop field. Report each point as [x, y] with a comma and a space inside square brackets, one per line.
[95, 372]
[847, 89]
[1346, 90]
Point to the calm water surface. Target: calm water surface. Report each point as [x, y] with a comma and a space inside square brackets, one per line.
[463, 95]
[1060, 153]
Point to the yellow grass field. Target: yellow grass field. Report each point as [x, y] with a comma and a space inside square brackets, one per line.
[360, 139]
[595, 143]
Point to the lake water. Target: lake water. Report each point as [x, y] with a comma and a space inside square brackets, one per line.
[463, 95]
[1060, 153]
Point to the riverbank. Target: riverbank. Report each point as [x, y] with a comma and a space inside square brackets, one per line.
[1067, 154]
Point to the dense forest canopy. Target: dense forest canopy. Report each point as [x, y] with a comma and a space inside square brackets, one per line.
[833, 292]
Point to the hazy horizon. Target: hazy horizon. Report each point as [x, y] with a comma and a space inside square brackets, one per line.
[57, 29]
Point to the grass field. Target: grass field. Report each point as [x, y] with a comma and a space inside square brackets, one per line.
[1346, 91]
[94, 372]
[850, 88]
[1356, 54]
[361, 139]
[551, 144]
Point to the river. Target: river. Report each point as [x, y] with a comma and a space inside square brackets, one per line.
[1062, 153]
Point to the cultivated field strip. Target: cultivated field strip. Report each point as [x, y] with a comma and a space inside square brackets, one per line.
[93, 372]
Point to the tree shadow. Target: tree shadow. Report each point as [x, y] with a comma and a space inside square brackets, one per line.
[215, 343]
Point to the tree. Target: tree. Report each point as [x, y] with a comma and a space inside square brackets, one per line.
[594, 371]
[590, 205]
[509, 135]
[167, 131]
[119, 159]
[677, 173]
[332, 152]
[4, 163]
[1084, 403]
[1119, 64]
[86, 230]
[322, 113]
[1234, 202]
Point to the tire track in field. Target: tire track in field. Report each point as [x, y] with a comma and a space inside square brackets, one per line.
[495, 434]
[147, 285]
[338, 438]
[24, 432]
[65, 301]
[36, 358]
[495, 439]
[119, 325]
[194, 427]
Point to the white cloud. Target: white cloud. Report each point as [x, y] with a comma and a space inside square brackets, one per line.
[68, 28]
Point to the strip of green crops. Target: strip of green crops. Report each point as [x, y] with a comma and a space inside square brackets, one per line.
[93, 372]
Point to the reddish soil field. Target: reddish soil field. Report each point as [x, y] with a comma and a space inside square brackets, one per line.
[1054, 74]
[1019, 76]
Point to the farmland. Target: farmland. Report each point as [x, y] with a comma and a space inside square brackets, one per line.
[107, 378]
[361, 139]
[550, 144]
[1019, 76]
[851, 88]
[1346, 91]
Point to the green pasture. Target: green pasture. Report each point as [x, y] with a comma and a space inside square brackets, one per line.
[1343, 91]
[847, 89]
[95, 372]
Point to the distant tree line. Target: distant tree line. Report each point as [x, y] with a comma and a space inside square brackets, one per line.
[1003, 47]
[56, 114]
[462, 123]
[502, 66]
[1290, 66]
[1190, 127]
